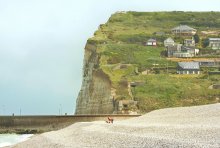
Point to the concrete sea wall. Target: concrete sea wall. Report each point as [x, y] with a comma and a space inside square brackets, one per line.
[39, 124]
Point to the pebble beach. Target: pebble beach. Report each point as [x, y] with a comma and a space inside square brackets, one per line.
[186, 127]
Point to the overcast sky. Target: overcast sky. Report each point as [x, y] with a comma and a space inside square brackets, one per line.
[42, 46]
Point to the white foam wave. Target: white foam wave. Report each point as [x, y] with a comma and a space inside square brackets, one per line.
[11, 139]
[3, 144]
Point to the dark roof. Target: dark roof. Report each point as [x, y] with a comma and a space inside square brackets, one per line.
[188, 48]
[189, 65]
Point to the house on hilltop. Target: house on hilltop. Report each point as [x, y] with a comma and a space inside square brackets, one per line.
[214, 43]
[183, 30]
[191, 50]
[180, 51]
[171, 49]
[169, 42]
[188, 68]
[187, 52]
[189, 42]
[151, 42]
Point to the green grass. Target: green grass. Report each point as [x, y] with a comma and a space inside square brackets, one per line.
[170, 91]
[143, 56]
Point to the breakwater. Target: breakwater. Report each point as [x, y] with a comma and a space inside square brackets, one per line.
[39, 124]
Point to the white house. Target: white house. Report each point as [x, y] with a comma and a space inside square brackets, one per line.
[169, 42]
[214, 43]
[151, 42]
[180, 51]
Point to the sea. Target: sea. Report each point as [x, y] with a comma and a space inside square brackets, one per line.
[11, 139]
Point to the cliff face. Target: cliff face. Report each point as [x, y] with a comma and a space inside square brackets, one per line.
[95, 94]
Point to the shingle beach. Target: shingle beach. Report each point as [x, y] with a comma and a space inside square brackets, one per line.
[187, 127]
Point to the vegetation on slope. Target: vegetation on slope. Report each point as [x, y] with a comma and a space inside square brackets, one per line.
[123, 56]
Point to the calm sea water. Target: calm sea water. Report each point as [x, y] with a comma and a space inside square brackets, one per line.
[11, 139]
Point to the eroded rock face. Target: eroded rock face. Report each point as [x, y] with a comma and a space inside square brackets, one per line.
[95, 94]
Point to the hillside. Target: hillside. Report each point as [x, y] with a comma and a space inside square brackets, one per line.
[122, 75]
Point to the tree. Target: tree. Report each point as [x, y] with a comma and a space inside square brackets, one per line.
[196, 38]
[205, 43]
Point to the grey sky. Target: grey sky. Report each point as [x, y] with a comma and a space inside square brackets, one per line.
[41, 47]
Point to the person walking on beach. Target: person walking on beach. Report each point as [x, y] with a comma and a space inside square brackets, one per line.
[110, 120]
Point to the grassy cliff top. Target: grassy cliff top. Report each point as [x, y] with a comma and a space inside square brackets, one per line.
[124, 58]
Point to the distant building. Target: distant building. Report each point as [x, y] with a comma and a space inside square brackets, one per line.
[151, 42]
[188, 68]
[207, 63]
[214, 43]
[183, 30]
[169, 42]
[191, 50]
[179, 51]
[171, 49]
[189, 42]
